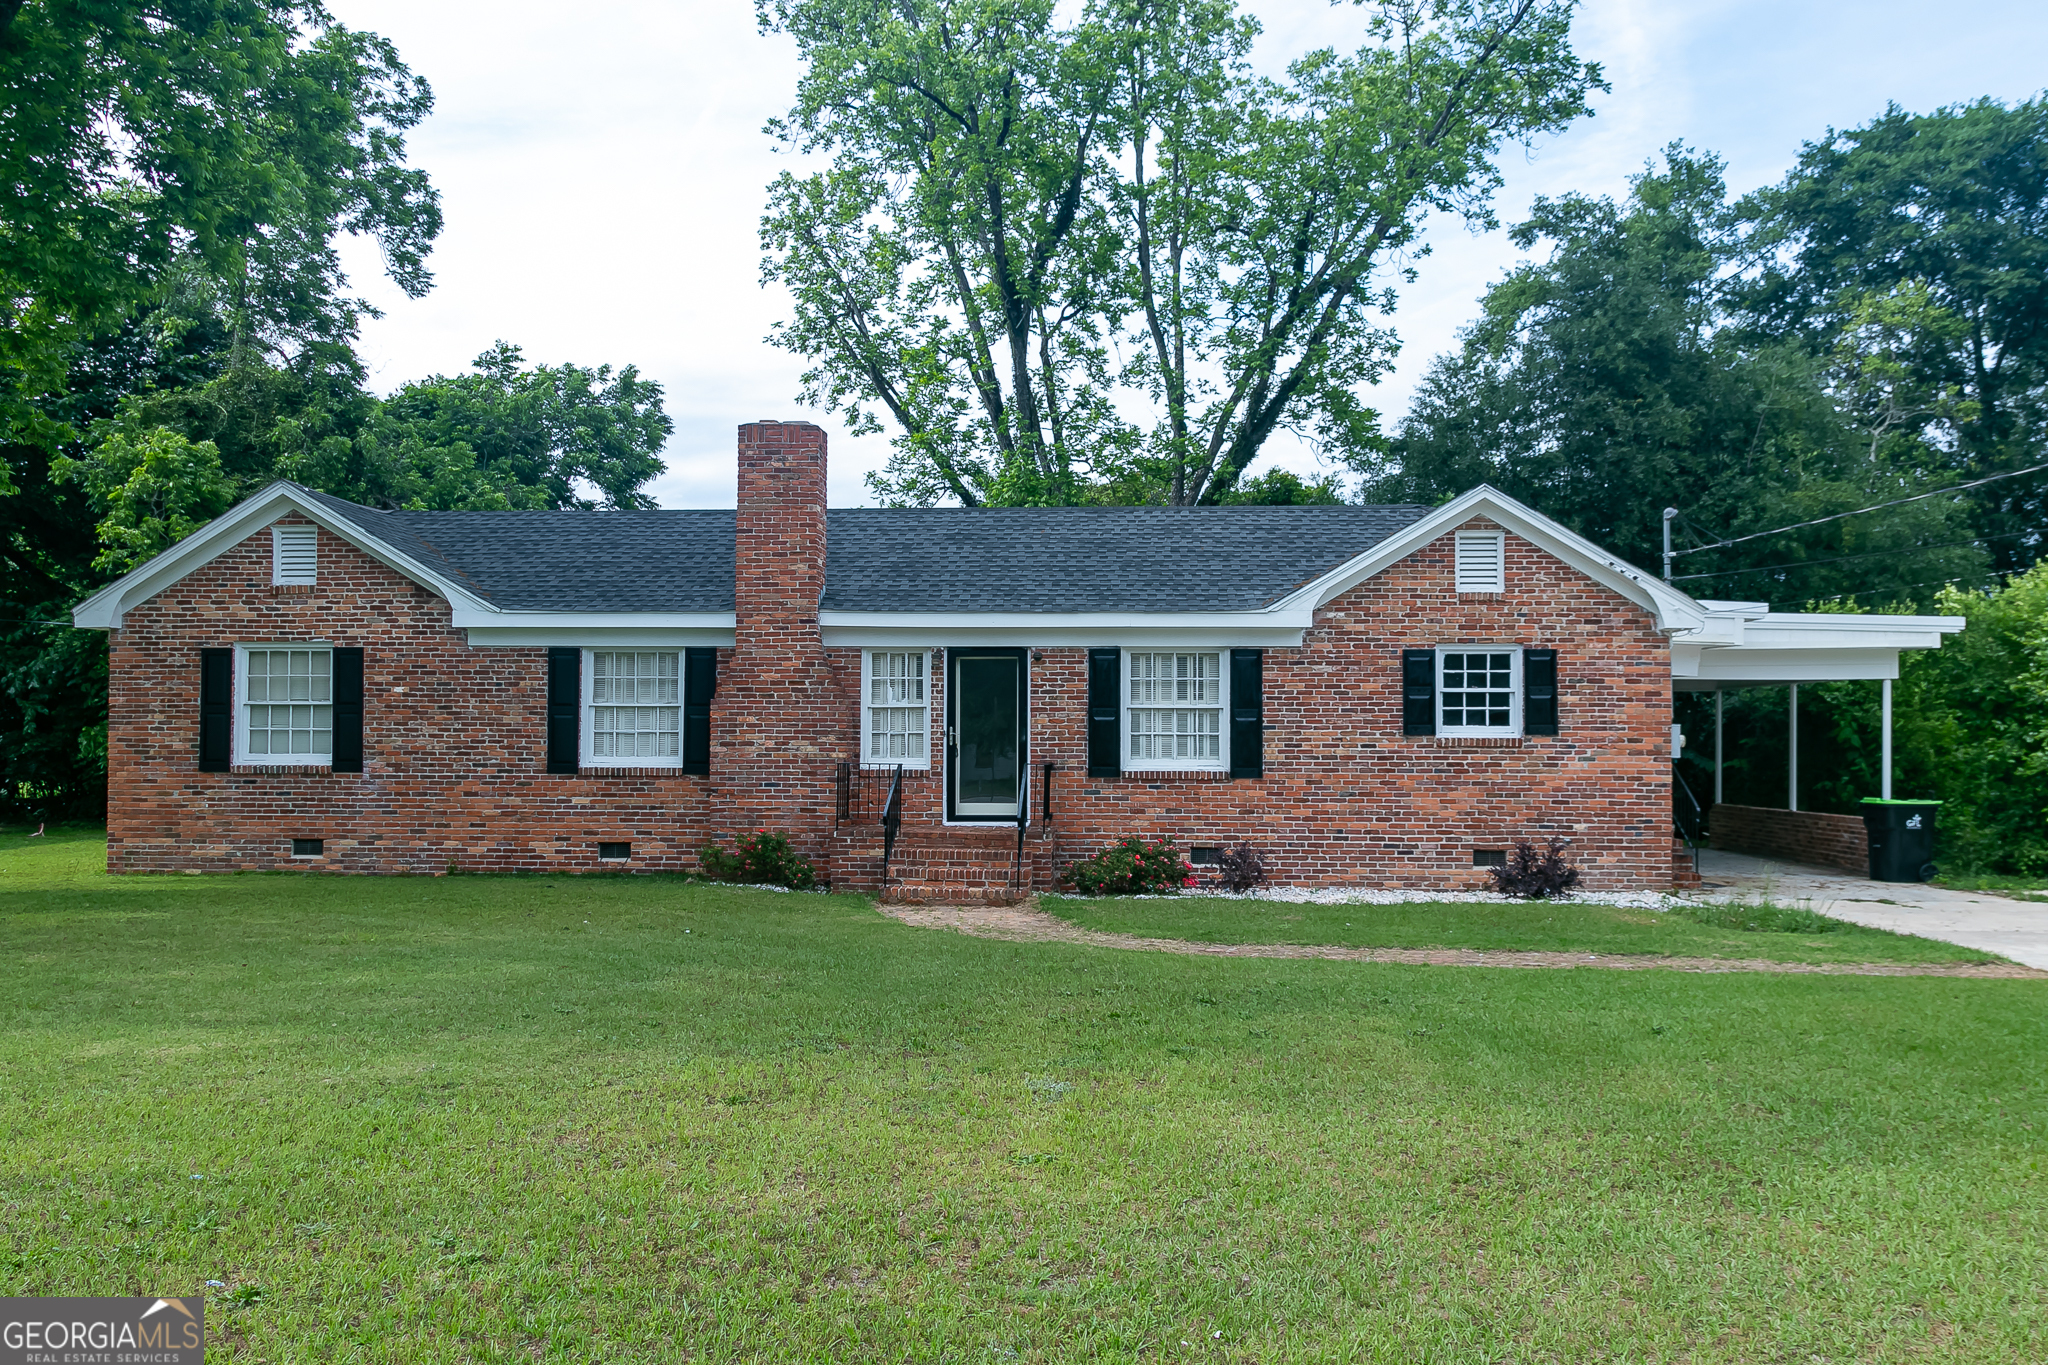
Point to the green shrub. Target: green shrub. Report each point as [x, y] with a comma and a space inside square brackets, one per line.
[1243, 868]
[763, 859]
[1131, 867]
[1760, 917]
[1536, 874]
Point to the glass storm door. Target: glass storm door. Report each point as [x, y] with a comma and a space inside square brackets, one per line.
[986, 733]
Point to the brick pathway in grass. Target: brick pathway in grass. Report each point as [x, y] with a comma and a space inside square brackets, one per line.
[1026, 924]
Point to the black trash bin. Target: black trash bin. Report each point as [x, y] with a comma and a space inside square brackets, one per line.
[1901, 839]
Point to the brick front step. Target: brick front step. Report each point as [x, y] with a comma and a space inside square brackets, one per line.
[949, 867]
[1684, 875]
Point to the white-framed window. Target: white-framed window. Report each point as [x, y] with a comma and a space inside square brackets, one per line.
[294, 555]
[1479, 690]
[1174, 709]
[895, 689]
[1482, 561]
[632, 708]
[284, 712]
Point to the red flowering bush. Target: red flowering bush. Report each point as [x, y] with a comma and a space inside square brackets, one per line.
[762, 858]
[1131, 867]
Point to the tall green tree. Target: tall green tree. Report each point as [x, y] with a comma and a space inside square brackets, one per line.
[1608, 380]
[1944, 214]
[242, 136]
[1101, 259]
[173, 178]
[504, 435]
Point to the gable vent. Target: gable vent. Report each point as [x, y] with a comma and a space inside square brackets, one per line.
[293, 557]
[1481, 561]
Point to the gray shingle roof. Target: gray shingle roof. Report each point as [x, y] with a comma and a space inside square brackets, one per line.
[1052, 559]
[1063, 559]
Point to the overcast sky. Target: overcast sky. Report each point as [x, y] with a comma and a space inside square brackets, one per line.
[601, 166]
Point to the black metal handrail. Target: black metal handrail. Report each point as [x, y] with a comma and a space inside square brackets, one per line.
[1678, 781]
[892, 820]
[861, 793]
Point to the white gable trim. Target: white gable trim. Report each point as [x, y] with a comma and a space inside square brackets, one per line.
[105, 608]
[1674, 611]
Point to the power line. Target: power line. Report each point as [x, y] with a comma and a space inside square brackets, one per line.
[1873, 554]
[1875, 507]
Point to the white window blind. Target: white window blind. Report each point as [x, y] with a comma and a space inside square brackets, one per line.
[294, 554]
[897, 718]
[288, 704]
[1176, 710]
[636, 704]
[1482, 561]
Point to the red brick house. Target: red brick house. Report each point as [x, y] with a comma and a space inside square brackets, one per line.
[1377, 695]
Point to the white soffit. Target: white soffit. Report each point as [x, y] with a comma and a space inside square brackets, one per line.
[105, 608]
[1751, 647]
[595, 629]
[1054, 630]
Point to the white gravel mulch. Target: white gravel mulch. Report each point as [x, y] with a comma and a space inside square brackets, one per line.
[1361, 895]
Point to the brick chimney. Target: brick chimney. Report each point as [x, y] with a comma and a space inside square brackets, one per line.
[779, 724]
[779, 554]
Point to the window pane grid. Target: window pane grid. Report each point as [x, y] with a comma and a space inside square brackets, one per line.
[636, 704]
[290, 704]
[898, 718]
[1176, 708]
[1478, 691]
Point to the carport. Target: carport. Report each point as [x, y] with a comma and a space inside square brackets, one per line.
[1745, 645]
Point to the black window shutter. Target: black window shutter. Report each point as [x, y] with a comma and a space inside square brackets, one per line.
[1539, 691]
[1105, 688]
[216, 709]
[700, 685]
[348, 710]
[1418, 691]
[1247, 713]
[565, 704]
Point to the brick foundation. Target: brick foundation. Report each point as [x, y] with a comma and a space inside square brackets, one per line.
[1796, 836]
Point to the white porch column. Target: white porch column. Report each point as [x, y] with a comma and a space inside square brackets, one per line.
[1720, 710]
[1792, 748]
[1885, 782]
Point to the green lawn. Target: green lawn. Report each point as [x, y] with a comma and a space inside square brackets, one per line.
[2033, 888]
[627, 1119]
[1781, 934]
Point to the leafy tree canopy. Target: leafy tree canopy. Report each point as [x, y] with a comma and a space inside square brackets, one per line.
[1284, 488]
[176, 330]
[238, 137]
[502, 436]
[1608, 380]
[1070, 259]
[1933, 227]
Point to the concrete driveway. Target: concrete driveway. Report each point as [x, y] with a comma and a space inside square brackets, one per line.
[1996, 924]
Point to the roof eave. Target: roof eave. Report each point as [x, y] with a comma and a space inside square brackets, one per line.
[105, 609]
[1674, 611]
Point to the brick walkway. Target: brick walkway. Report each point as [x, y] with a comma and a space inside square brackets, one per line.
[1025, 924]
